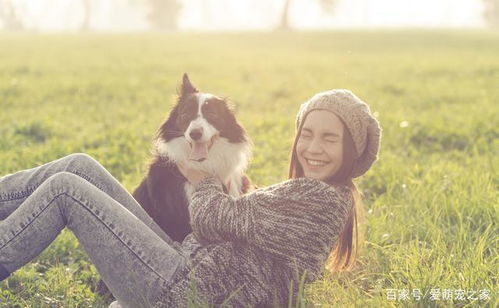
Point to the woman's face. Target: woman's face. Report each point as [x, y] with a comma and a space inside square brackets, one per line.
[320, 144]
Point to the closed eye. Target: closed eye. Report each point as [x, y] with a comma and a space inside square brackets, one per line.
[306, 136]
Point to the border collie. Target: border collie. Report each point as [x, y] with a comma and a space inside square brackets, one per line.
[202, 131]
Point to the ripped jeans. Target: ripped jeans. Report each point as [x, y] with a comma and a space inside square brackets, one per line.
[134, 257]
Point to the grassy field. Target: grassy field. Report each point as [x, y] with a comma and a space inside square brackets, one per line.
[431, 201]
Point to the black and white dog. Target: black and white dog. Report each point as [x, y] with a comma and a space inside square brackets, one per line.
[202, 131]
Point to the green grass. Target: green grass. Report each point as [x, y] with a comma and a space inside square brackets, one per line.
[430, 201]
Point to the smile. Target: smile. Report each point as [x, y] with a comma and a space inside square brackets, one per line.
[316, 162]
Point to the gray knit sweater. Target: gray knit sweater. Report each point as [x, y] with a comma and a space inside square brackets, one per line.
[256, 247]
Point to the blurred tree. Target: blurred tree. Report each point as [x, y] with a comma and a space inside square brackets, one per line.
[326, 5]
[85, 25]
[9, 16]
[164, 14]
[284, 25]
[491, 12]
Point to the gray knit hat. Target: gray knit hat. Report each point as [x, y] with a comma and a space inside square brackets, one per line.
[364, 128]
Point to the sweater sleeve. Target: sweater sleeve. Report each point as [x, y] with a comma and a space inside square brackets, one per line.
[286, 220]
[216, 216]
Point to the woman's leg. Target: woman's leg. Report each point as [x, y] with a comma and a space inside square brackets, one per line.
[132, 259]
[15, 188]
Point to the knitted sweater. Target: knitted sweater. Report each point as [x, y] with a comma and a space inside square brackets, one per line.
[256, 247]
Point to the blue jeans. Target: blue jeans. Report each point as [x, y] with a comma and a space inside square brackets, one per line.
[134, 257]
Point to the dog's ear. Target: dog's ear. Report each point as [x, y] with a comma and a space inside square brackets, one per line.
[187, 87]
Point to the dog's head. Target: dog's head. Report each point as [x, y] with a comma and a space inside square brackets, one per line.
[200, 129]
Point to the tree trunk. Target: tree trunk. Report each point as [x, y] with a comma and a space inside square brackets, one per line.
[85, 25]
[284, 25]
[8, 15]
[491, 13]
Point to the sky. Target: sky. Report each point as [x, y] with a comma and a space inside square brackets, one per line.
[219, 15]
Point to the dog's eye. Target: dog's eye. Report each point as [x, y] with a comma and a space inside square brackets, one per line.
[183, 117]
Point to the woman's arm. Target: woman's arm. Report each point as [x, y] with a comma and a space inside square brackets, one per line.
[296, 219]
[216, 216]
[287, 220]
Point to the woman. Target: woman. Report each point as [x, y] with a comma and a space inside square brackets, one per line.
[254, 250]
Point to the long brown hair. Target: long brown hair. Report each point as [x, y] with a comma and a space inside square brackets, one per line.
[344, 253]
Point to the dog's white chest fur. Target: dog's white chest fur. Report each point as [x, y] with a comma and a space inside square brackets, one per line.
[189, 190]
[226, 161]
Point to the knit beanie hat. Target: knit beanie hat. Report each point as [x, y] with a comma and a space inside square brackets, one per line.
[363, 127]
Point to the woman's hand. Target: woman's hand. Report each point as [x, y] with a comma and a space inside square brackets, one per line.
[192, 175]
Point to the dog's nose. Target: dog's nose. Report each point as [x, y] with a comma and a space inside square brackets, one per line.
[196, 134]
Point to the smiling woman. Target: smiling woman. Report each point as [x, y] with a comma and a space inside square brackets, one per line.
[337, 139]
[319, 146]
